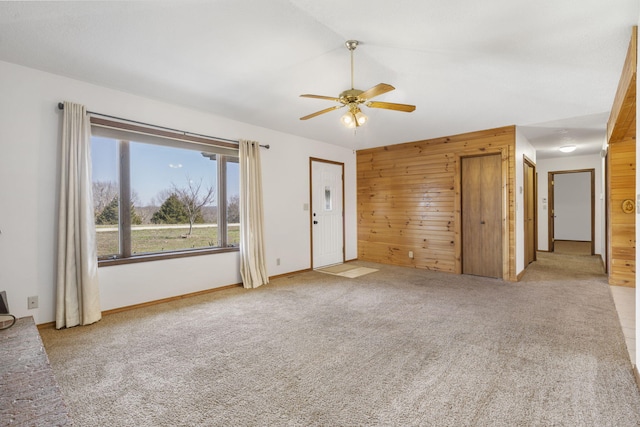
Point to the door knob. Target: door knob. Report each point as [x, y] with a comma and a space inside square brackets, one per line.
[315, 222]
[481, 222]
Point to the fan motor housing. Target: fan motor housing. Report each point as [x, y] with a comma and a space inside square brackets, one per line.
[351, 95]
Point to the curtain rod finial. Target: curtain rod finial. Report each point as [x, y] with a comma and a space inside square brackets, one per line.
[60, 106]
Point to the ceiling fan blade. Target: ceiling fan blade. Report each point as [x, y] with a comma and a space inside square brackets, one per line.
[391, 106]
[328, 98]
[317, 113]
[378, 89]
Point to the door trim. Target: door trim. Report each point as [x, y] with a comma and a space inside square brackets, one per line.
[532, 165]
[607, 213]
[550, 192]
[506, 250]
[341, 164]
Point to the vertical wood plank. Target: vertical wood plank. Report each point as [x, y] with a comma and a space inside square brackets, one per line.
[622, 242]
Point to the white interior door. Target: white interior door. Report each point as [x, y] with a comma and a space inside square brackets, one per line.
[327, 213]
[572, 206]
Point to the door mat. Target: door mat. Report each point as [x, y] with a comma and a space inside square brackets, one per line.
[346, 270]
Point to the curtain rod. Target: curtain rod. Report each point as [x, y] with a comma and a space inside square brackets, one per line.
[61, 107]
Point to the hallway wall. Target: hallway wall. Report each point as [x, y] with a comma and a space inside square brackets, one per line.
[543, 166]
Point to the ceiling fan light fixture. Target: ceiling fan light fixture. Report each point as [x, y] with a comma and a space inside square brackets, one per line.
[567, 148]
[349, 120]
[354, 117]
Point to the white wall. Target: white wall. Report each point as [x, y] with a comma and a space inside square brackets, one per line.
[523, 148]
[30, 137]
[543, 167]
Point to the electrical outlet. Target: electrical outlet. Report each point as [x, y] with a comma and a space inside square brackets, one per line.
[32, 302]
[411, 254]
[277, 261]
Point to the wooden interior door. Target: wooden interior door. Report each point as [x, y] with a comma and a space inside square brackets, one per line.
[481, 203]
[529, 195]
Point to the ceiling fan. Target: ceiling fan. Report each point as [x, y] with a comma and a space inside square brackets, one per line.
[352, 98]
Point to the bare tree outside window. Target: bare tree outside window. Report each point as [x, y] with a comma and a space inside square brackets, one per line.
[103, 194]
[194, 197]
[233, 209]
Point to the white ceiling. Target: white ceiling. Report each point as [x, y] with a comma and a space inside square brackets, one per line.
[550, 66]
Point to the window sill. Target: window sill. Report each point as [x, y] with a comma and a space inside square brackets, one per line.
[163, 256]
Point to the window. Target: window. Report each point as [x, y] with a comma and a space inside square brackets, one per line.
[159, 194]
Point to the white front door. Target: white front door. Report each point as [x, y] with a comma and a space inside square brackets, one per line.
[327, 223]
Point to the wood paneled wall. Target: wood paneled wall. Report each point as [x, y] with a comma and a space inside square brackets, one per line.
[622, 226]
[409, 200]
[621, 174]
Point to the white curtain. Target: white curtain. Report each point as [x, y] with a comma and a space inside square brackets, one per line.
[78, 297]
[252, 257]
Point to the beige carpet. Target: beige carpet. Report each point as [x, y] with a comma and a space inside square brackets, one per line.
[401, 347]
[572, 247]
[559, 267]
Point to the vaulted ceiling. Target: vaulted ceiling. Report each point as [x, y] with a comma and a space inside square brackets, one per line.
[549, 66]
